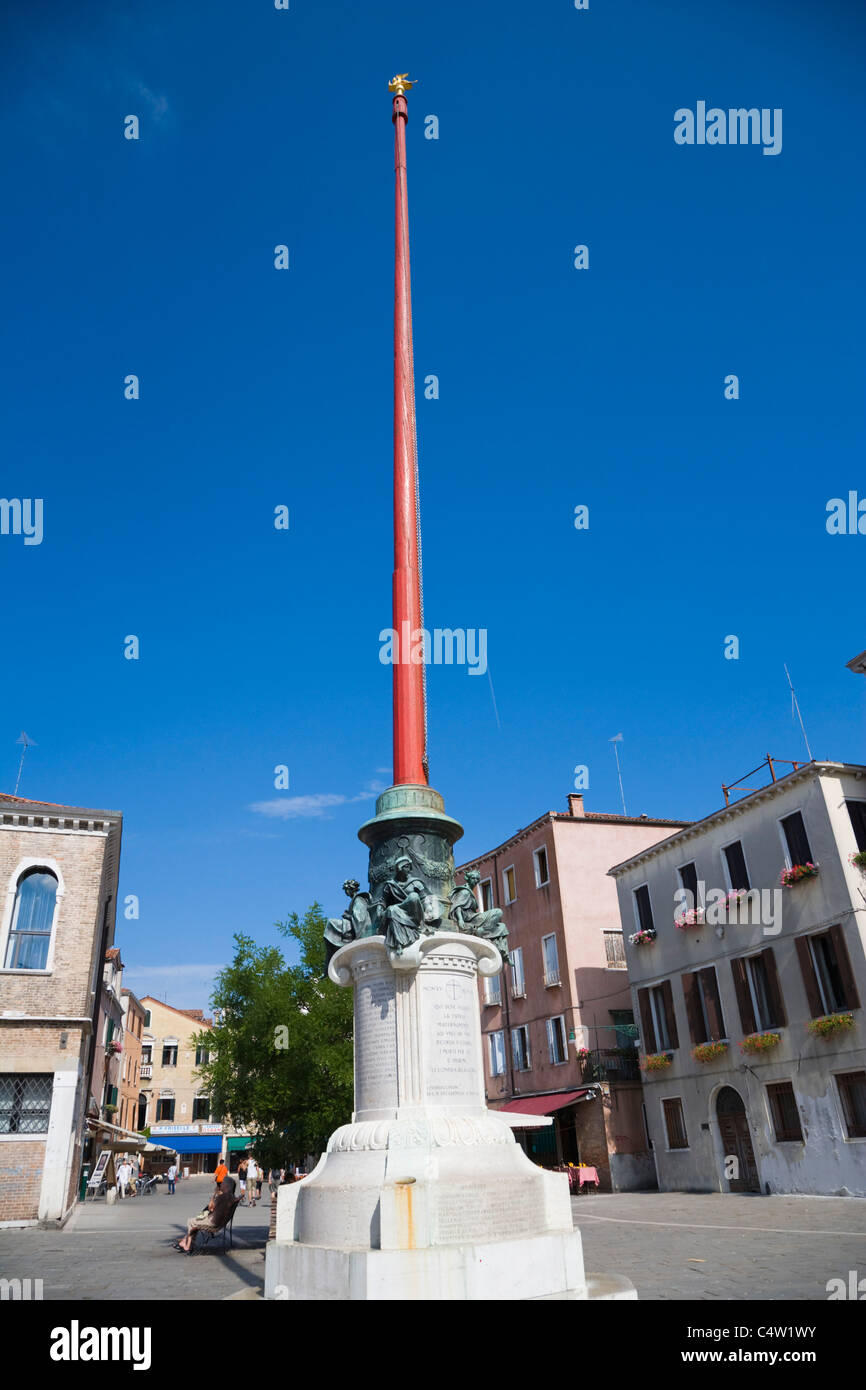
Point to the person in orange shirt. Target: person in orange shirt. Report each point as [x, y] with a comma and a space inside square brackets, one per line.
[221, 1172]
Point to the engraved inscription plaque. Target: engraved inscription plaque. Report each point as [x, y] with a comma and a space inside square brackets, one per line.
[375, 1044]
[451, 1032]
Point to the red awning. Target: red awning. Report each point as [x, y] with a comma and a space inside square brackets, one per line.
[543, 1105]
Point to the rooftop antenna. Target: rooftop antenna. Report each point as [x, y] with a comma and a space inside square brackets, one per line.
[617, 738]
[795, 706]
[28, 743]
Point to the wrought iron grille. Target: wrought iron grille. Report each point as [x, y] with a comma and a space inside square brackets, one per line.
[25, 1103]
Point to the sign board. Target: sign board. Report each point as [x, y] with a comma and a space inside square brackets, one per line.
[98, 1174]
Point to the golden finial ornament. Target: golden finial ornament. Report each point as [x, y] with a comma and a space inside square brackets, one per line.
[400, 84]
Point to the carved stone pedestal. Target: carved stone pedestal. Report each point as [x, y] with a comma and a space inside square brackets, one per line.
[426, 1194]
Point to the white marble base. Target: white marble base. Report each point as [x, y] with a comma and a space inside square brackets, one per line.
[546, 1266]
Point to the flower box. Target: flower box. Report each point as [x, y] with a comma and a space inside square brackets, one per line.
[656, 1061]
[858, 860]
[687, 920]
[709, 1051]
[829, 1024]
[641, 938]
[760, 1042]
[789, 877]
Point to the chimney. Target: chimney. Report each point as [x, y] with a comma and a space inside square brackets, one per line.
[575, 804]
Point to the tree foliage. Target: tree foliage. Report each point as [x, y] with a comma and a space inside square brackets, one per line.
[281, 1046]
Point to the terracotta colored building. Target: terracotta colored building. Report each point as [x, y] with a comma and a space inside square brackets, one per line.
[59, 865]
[130, 1062]
[559, 1031]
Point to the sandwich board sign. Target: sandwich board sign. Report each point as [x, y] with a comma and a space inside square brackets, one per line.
[98, 1174]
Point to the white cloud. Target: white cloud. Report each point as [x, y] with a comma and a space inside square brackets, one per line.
[306, 807]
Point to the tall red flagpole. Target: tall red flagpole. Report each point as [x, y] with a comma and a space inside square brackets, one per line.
[410, 752]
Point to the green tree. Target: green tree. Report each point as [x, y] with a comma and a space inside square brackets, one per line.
[281, 1047]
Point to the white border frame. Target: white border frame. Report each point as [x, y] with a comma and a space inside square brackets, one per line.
[539, 881]
[23, 867]
[509, 868]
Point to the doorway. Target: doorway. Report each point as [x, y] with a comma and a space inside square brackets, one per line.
[736, 1141]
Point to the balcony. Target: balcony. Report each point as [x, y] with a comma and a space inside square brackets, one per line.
[551, 978]
[610, 1064]
[146, 1071]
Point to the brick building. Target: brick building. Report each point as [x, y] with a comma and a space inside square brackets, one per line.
[558, 1024]
[60, 866]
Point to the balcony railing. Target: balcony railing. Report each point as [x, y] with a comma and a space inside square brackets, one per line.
[610, 1064]
[551, 977]
[146, 1070]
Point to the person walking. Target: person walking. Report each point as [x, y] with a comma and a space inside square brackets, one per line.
[221, 1172]
[252, 1178]
[124, 1174]
[242, 1177]
[171, 1175]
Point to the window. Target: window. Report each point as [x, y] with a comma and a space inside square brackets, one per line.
[486, 889]
[857, 812]
[735, 866]
[675, 1123]
[826, 970]
[643, 912]
[518, 983]
[539, 859]
[32, 921]
[202, 1056]
[496, 1043]
[147, 1018]
[165, 1109]
[852, 1093]
[703, 1006]
[784, 1112]
[551, 960]
[145, 1054]
[520, 1048]
[25, 1102]
[658, 1023]
[556, 1044]
[169, 1056]
[201, 1108]
[689, 880]
[796, 840]
[759, 997]
[614, 950]
[492, 991]
[509, 884]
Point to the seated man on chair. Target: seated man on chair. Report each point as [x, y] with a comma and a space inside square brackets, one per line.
[219, 1209]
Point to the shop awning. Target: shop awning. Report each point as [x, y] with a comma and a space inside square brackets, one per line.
[543, 1105]
[196, 1143]
[239, 1141]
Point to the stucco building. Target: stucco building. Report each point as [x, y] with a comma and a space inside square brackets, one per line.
[558, 1024]
[177, 1105]
[780, 969]
[59, 865]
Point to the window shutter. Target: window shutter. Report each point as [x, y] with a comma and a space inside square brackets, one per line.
[843, 960]
[646, 1019]
[807, 970]
[797, 839]
[693, 1008]
[550, 1039]
[744, 999]
[777, 1003]
[668, 997]
[713, 1004]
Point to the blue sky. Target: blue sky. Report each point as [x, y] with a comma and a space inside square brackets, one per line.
[558, 387]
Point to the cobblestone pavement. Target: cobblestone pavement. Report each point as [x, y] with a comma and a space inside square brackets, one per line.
[714, 1247]
[125, 1251]
[672, 1246]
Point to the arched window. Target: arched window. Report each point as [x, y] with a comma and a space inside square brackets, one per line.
[32, 920]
